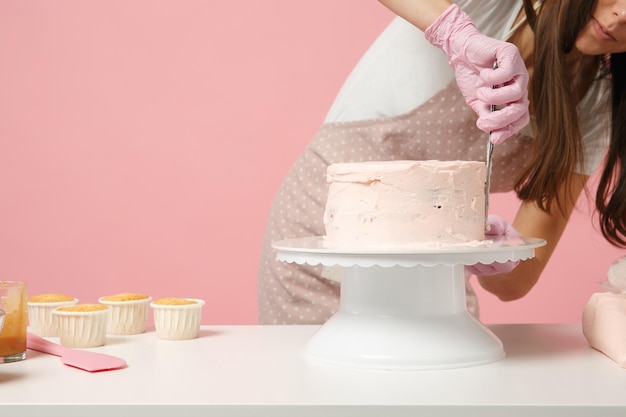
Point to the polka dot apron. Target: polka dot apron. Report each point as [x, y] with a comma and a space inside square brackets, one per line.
[442, 128]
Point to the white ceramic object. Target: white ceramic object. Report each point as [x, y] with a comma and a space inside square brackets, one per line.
[404, 310]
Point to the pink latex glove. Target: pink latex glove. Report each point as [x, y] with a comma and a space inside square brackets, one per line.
[497, 227]
[471, 54]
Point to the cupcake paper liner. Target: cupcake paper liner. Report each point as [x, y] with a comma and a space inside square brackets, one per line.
[82, 329]
[41, 321]
[178, 322]
[127, 317]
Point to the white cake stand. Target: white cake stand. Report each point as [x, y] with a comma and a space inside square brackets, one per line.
[404, 309]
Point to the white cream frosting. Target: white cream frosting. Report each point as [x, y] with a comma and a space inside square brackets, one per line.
[405, 203]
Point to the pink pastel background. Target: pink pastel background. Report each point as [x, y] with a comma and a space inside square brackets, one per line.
[142, 143]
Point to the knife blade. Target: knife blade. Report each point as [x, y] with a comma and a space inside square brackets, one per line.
[489, 162]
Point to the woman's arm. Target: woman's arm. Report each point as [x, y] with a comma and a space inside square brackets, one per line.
[472, 54]
[421, 13]
[533, 222]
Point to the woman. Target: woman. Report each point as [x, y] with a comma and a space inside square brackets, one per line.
[406, 100]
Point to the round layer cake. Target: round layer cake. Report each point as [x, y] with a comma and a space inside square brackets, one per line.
[405, 203]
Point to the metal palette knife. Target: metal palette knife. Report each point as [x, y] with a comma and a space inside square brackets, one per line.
[492, 108]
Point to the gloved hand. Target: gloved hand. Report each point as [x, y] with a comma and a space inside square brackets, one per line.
[497, 227]
[471, 54]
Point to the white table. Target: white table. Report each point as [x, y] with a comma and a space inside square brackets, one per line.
[261, 371]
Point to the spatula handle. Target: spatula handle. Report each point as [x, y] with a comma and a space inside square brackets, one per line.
[40, 344]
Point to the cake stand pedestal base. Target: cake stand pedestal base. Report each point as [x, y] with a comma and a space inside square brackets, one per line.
[404, 318]
[404, 309]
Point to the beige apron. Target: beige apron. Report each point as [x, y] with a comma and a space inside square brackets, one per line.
[443, 128]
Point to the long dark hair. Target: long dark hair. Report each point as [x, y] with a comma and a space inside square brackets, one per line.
[611, 194]
[554, 102]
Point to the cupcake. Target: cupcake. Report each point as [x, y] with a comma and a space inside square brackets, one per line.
[40, 318]
[128, 313]
[177, 318]
[82, 325]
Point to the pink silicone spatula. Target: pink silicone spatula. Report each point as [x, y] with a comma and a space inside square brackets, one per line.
[82, 359]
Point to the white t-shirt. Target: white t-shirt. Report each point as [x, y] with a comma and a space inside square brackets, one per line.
[401, 70]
